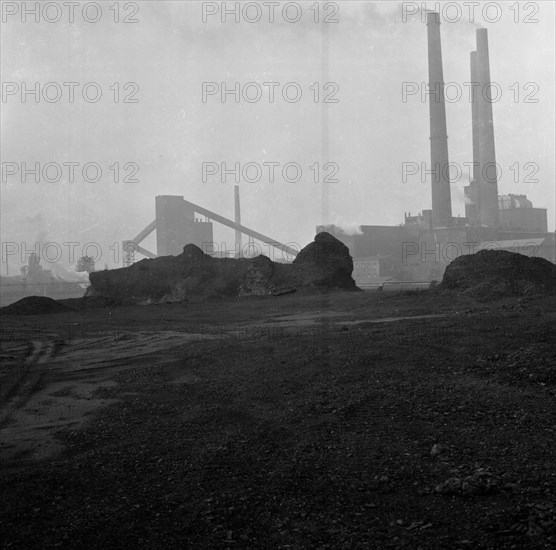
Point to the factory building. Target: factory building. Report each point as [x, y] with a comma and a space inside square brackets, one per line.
[177, 224]
[517, 213]
[422, 247]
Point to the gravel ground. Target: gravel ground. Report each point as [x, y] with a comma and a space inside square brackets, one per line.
[425, 433]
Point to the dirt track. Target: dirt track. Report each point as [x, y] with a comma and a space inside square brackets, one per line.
[284, 423]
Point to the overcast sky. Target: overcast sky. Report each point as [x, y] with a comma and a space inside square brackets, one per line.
[169, 132]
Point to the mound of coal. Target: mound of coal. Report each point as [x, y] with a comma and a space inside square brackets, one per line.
[195, 276]
[499, 273]
[35, 305]
[326, 262]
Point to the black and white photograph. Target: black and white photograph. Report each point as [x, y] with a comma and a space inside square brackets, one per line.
[278, 274]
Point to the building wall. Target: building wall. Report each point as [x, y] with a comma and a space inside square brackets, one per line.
[176, 226]
[547, 250]
[366, 269]
[524, 219]
[200, 234]
[417, 254]
[379, 240]
[371, 268]
[472, 207]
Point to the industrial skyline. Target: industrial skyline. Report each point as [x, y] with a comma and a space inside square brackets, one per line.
[278, 274]
[170, 132]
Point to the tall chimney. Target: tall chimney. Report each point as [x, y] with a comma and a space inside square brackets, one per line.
[440, 177]
[488, 214]
[475, 117]
[472, 196]
[237, 219]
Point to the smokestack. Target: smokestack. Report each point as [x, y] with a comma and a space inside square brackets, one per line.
[475, 117]
[472, 197]
[440, 177]
[488, 214]
[237, 219]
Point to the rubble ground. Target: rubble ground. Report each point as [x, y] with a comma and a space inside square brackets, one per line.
[343, 420]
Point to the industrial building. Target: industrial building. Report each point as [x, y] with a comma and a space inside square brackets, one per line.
[34, 280]
[177, 223]
[422, 247]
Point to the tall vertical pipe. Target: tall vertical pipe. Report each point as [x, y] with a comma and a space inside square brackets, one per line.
[237, 219]
[487, 155]
[440, 177]
[475, 117]
[472, 195]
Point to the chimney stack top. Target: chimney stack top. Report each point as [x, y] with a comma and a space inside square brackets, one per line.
[433, 17]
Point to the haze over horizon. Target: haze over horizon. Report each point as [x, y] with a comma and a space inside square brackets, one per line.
[170, 132]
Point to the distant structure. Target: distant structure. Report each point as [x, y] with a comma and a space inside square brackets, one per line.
[176, 225]
[441, 198]
[85, 264]
[422, 247]
[34, 274]
[36, 281]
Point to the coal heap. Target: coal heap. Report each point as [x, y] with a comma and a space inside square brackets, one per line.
[500, 273]
[35, 305]
[324, 264]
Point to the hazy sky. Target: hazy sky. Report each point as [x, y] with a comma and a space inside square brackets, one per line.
[170, 131]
